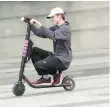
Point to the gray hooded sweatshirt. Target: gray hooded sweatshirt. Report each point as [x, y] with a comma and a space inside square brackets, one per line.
[61, 36]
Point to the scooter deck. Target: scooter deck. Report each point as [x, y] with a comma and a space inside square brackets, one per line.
[43, 86]
[48, 86]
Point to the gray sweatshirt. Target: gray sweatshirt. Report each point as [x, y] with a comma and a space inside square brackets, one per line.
[61, 36]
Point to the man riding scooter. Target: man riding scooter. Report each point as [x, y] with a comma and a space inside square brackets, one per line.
[55, 62]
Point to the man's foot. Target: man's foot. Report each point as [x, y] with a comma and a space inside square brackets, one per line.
[42, 80]
[57, 79]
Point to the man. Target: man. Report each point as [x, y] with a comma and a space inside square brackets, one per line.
[46, 62]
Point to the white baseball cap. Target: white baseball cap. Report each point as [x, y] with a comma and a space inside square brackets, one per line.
[55, 11]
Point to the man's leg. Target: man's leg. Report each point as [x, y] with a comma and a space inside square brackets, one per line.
[37, 55]
[50, 65]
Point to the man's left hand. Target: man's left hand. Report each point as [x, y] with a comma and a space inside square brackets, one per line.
[33, 21]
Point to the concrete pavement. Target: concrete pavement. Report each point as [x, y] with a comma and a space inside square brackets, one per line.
[91, 91]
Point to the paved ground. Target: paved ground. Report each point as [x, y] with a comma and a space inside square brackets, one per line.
[91, 75]
[91, 91]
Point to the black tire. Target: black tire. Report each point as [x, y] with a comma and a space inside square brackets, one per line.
[68, 80]
[18, 89]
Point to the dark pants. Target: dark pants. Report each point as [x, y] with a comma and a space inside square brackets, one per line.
[45, 63]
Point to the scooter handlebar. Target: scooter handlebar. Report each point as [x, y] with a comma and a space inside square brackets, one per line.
[25, 19]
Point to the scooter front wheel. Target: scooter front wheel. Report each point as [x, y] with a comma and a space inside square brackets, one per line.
[18, 89]
[68, 80]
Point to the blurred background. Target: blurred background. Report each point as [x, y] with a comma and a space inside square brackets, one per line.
[89, 22]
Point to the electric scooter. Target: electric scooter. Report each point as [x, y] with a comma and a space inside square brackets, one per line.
[19, 88]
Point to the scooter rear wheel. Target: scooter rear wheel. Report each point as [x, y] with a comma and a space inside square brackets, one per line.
[18, 89]
[68, 80]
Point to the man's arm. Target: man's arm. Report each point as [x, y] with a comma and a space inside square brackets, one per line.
[37, 31]
[62, 33]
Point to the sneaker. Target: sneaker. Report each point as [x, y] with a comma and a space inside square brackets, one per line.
[57, 79]
[42, 80]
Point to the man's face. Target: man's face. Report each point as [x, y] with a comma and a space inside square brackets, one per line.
[55, 19]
